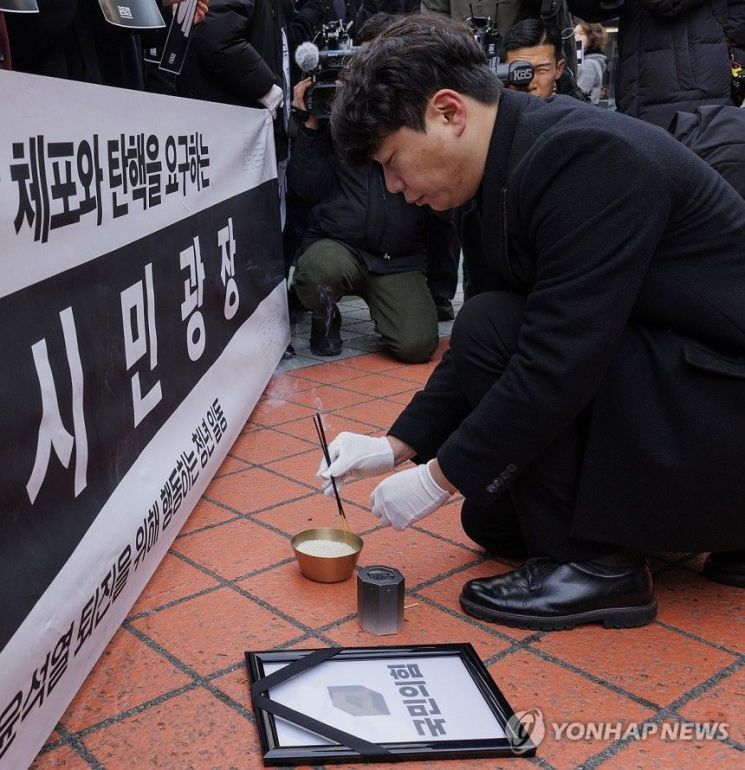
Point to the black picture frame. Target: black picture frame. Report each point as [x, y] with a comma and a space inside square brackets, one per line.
[328, 744]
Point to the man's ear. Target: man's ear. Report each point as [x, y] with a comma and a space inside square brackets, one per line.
[560, 67]
[448, 106]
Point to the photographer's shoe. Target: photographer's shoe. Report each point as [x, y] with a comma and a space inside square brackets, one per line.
[546, 595]
[726, 567]
[325, 338]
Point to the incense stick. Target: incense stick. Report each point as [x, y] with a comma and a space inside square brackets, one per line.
[324, 445]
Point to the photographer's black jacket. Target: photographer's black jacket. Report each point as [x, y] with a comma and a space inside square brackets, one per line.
[630, 252]
[351, 205]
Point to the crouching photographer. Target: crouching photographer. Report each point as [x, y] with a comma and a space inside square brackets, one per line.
[361, 240]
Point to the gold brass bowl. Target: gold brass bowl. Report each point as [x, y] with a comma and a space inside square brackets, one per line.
[327, 569]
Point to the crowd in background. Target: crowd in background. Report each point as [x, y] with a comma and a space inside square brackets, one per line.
[673, 56]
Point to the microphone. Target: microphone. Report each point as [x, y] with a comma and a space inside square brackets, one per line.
[307, 56]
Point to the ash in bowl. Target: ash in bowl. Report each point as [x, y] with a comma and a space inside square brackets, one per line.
[325, 548]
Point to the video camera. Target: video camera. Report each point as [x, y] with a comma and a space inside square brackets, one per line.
[519, 73]
[324, 59]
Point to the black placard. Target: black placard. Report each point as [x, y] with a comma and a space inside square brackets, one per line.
[133, 14]
[19, 6]
[179, 32]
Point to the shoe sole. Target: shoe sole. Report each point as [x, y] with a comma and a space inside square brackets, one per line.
[325, 352]
[614, 617]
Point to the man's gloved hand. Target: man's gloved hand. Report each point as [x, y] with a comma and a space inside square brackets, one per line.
[272, 99]
[406, 497]
[354, 456]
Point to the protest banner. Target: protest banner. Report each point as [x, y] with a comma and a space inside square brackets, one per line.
[144, 308]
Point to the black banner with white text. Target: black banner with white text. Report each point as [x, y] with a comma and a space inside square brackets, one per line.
[143, 303]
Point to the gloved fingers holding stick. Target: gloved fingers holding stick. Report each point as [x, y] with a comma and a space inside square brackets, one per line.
[356, 456]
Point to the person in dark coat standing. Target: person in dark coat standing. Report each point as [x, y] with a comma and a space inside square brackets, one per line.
[242, 54]
[71, 39]
[56, 42]
[590, 406]
[672, 54]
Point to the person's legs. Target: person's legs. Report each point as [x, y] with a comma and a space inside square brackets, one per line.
[494, 527]
[404, 314]
[324, 273]
[484, 339]
[567, 580]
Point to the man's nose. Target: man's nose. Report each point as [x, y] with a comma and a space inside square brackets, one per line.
[393, 182]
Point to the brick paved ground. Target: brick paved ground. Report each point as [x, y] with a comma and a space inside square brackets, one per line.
[171, 689]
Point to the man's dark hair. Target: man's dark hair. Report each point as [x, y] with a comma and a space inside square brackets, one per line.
[373, 27]
[530, 33]
[388, 85]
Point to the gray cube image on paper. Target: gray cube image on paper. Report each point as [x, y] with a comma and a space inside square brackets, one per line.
[358, 700]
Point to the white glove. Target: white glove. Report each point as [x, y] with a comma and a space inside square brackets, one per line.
[272, 99]
[406, 497]
[354, 456]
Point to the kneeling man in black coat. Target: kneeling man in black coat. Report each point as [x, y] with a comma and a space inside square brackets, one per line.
[590, 408]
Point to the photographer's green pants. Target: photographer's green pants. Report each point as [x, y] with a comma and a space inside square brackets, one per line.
[400, 303]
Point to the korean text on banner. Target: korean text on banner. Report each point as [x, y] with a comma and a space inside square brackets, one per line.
[143, 300]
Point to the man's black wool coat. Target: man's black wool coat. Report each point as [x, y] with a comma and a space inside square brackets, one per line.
[630, 251]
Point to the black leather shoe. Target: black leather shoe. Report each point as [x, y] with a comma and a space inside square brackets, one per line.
[325, 337]
[727, 567]
[546, 595]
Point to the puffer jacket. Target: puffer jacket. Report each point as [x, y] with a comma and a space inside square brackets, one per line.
[672, 53]
[235, 55]
[351, 205]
